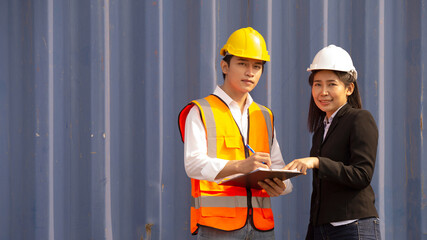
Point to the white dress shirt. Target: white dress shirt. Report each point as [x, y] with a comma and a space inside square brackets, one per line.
[198, 164]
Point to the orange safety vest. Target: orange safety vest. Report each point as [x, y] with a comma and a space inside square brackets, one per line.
[228, 207]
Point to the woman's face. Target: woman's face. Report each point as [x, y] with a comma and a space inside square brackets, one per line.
[329, 92]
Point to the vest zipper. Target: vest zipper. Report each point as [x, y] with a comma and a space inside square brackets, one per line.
[249, 193]
[248, 190]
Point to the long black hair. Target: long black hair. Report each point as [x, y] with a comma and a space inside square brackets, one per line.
[315, 115]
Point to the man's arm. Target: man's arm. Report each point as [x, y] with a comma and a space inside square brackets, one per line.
[196, 161]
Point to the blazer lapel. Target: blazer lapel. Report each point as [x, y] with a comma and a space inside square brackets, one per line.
[336, 121]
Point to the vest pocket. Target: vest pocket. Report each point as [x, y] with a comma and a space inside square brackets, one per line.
[268, 214]
[233, 142]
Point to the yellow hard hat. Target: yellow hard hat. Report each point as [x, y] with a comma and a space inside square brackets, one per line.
[247, 43]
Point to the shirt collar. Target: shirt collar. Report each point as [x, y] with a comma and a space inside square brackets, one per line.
[327, 121]
[228, 100]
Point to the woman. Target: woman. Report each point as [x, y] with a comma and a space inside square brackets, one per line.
[343, 152]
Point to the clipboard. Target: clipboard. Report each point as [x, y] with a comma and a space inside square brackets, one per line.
[251, 179]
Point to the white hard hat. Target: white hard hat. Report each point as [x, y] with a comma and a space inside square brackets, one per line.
[333, 58]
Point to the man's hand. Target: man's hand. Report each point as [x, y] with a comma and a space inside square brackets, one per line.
[257, 160]
[273, 187]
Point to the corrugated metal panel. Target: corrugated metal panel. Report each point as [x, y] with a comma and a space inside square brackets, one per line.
[90, 92]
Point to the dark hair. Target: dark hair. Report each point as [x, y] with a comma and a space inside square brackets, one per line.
[315, 115]
[227, 59]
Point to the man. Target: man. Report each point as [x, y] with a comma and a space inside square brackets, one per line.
[215, 131]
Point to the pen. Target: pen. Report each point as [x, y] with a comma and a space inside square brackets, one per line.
[253, 151]
[249, 147]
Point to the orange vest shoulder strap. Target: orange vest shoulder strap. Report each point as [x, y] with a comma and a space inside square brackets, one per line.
[182, 116]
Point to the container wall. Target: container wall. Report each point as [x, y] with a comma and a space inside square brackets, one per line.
[90, 92]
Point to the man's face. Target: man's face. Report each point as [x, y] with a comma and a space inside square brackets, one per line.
[242, 74]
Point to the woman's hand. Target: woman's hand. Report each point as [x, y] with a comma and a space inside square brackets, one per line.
[302, 164]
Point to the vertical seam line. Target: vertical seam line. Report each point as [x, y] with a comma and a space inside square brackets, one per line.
[213, 49]
[107, 116]
[325, 22]
[51, 120]
[381, 157]
[160, 115]
[269, 43]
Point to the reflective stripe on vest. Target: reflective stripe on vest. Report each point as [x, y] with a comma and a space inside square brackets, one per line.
[210, 127]
[267, 118]
[235, 201]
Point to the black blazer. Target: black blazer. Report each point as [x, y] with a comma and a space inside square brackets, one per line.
[341, 184]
